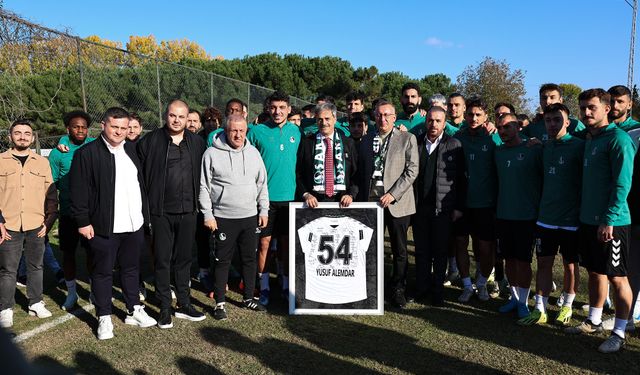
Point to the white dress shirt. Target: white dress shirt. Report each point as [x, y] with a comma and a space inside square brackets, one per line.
[431, 146]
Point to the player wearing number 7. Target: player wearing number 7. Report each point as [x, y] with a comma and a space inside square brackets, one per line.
[327, 162]
[233, 182]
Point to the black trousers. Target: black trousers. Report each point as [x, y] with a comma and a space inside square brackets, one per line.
[203, 243]
[125, 249]
[235, 234]
[398, 227]
[431, 233]
[173, 237]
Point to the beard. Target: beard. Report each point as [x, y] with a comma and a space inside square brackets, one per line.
[20, 148]
[620, 115]
[409, 108]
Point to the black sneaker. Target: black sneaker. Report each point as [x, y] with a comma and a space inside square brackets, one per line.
[253, 304]
[164, 321]
[189, 312]
[399, 299]
[220, 313]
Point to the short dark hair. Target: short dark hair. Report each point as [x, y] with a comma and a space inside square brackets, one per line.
[212, 113]
[410, 85]
[476, 102]
[234, 100]
[135, 116]
[74, 114]
[504, 104]
[20, 121]
[523, 117]
[263, 117]
[326, 98]
[355, 95]
[115, 113]
[436, 108]
[195, 111]
[557, 107]
[619, 90]
[456, 95]
[551, 87]
[294, 111]
[599, 93]
[277, 96]
[358, 117]
[309, 107]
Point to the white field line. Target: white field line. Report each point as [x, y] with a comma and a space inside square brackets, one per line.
[56, 322]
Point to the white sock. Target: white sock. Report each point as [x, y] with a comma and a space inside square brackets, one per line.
[219, 304]
[481, 281]
[620, 326]
[453, 265]
[514, 293]
[71, 285]
[545, 301]
[568, 299]
[595, 315]
[523, 295]
[285, 282]
[204, 271]
[540, 303]
[467, 282]
[264, 280]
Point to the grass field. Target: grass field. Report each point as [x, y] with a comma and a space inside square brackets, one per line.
[457, 338]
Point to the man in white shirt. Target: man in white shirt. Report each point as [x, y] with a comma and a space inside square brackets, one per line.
[108, 202]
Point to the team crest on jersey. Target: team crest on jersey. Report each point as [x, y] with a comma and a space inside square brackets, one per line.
[485, 148]
[222, 236]
[292, 139]
[450, 158]
[561, 160]
[281, 147]
[520, 156]
[545, 137]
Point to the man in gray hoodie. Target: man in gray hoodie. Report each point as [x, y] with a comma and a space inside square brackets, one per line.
[234, 200]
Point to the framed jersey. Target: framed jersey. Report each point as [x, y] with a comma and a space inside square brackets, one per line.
[336, 262]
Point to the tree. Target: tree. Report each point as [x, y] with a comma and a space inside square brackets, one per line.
[495, 82]
[570, 97]
[436, 84]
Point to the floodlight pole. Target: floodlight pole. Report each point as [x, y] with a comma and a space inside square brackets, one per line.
[632, 42]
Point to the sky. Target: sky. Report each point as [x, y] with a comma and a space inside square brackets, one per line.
[584, 42]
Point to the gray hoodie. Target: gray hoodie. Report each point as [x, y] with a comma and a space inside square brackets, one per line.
[233, 182]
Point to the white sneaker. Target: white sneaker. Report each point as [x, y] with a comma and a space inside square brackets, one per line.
[451, 277]
[70, 302]
[38, 309]
[466, 295]
[105, 328]
[560, 301]
[139, 318]
[173, 294]
[6, 318]
[483, 293]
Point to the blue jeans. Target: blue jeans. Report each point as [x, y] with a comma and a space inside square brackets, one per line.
[10, 253]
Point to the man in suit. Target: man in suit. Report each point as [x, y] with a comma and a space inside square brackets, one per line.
[440, 198]
[388, 166]
[327, 162]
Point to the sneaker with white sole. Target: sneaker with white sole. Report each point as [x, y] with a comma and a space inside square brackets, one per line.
[220, 313]
[105, 328]
[586, 327]
[38, 309]
[70, 302]
[564, 316]
[164, 320]
[466, 295]
[483, 293]
[451, 278]
[560, 301]
[138, 317]
[6, 318]
[494, 290]
[611, 345]
[190, 313]
[253, 304]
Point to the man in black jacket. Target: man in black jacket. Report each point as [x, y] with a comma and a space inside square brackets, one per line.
[327, 162]
[440, 194]
[171, 160]
[108, 202]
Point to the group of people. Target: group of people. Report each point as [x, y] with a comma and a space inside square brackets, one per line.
[511, 185]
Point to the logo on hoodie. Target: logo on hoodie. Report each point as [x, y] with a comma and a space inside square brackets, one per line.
[222, 236]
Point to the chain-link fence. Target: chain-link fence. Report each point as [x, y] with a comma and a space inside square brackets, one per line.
[45, 73]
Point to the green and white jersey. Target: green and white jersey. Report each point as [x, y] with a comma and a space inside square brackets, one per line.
[410, 123]
[279, 150]
[560, 202]
[629, 124]
[479, 148]
[519, 171]
[606, 177]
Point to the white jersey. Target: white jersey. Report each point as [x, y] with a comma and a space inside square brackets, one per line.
[335, 259]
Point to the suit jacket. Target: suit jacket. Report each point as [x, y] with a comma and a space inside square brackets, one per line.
[400, 170]
[305, 166]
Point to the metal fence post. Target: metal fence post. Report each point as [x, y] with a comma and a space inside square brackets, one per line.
[81, 68]
[211, 88]
[159, 99]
